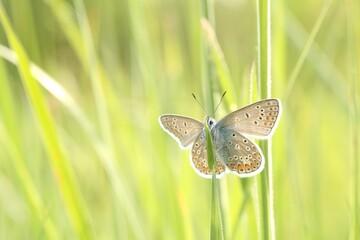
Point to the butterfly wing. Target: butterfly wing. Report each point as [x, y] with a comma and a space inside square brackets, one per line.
[242, 156]
[259, 119]
[199, 159]
[183, 129]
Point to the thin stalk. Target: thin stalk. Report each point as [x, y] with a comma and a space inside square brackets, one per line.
[264, 85]
[208, 79]
[221, 67]
[307, 48]
[354, 123]
[216, 228]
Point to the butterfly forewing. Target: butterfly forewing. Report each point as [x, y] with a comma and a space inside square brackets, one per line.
[199, 158]
[241, 155]
[183, 129]
[258, 119]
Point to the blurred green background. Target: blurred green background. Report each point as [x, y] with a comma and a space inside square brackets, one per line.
[86, 157]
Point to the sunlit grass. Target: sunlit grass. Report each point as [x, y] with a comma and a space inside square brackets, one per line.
[66, 181]
[354, 123]
[82, 84]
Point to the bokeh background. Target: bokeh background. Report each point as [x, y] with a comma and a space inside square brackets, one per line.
[82, 154]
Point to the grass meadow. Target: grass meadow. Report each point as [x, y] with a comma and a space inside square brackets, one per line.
[83, 82]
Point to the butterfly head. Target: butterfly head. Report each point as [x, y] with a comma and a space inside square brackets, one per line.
[211, 122]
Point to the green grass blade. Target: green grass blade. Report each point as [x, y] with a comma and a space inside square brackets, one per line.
[220, 65]
[9, 138]
[60, 164]
[264, 48]
[307, 47]
[80, 39]
[264, 85]
[207, 67]
[57, 90]
[63, 96]
[210, 157]
[67, 22]
[354, 120]
[331, 76]
[209, 146]
[32, 195]
[216, 228]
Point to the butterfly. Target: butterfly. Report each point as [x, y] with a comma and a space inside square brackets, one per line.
[234, 151]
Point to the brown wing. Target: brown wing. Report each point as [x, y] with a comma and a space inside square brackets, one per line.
[240, 154]
[199, 159]
[259, 119]
[183, 129]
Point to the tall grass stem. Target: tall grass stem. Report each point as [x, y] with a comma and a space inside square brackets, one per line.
[216, 228]
[354, 121]
[264, 85]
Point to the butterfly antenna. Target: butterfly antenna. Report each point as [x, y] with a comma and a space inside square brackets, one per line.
[199, 103]
[220, 101]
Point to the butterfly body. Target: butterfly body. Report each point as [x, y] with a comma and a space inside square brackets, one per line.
[234, 152]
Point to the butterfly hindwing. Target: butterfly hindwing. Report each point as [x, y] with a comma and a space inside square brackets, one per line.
[258, 119]
[199, 158]
[240, 154]
[183, 129]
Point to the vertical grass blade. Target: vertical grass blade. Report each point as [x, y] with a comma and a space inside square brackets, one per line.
[354, 119]
[222, 70]
[60, 164]
[216, 228]
[207, 67]
[62, 12]
[264, 85]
